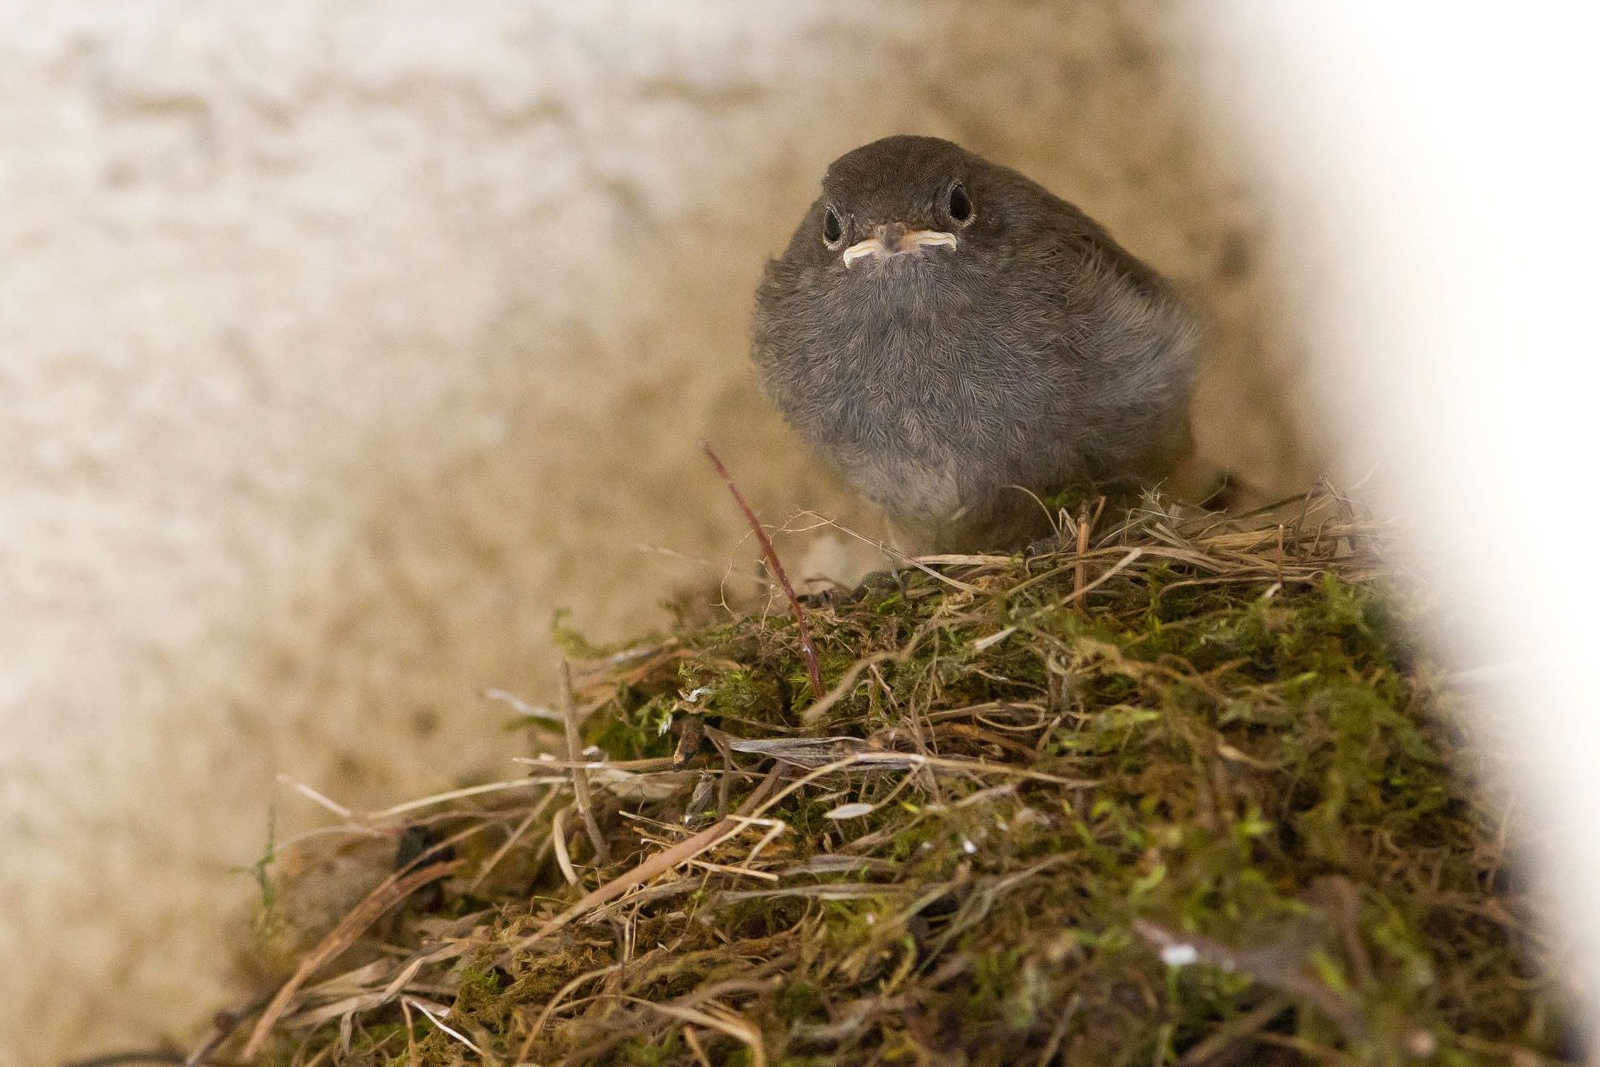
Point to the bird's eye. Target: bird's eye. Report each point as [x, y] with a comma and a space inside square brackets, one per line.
[832, 228]
[959, 205]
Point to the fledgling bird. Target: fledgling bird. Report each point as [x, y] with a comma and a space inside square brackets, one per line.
[955, 338]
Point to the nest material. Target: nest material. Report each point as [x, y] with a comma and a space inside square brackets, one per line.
[1180, 793]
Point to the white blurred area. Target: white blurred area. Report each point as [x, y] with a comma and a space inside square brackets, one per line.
[1436, 170]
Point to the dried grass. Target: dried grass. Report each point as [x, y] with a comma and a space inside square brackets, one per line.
[1181, 792]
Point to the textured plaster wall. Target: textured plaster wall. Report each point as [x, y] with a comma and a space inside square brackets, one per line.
[341, 343]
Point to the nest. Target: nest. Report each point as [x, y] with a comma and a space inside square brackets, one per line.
[1181, 791]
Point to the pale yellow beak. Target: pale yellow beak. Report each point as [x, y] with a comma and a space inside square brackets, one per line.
[896, 240]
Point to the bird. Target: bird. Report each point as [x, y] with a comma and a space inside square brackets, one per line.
[969, 349]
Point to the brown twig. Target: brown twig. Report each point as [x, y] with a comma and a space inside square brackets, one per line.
[1230, 1036]
[389, 892]
[807, 649]
[1058, 1033]
[1080, 571]
[223, 1026]
[580, 775]
[658, 864]
[1087, 517]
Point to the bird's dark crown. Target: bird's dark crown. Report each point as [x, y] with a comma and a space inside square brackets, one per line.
[898, 179]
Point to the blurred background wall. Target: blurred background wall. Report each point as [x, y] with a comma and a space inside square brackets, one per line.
[343, 343]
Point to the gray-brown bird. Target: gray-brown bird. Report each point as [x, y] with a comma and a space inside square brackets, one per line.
[960, 342]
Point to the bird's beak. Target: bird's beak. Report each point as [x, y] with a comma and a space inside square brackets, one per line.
[895, 240]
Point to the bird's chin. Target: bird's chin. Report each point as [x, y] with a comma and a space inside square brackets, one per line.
[902, 270]
[898, 279]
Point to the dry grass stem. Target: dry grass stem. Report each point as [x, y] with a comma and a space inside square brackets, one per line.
[807, 647]
[1183, 790]
[580, 774]
[390, 892]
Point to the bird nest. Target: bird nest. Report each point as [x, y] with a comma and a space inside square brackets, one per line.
[1182, 791]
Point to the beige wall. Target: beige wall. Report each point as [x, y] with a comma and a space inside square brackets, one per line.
[341, 343]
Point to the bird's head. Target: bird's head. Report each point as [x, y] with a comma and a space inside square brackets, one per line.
[900, 199]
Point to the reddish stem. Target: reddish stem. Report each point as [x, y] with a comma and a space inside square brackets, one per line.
[807, 649]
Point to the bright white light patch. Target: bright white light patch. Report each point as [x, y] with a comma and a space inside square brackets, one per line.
[1179, 955]
[852, 811]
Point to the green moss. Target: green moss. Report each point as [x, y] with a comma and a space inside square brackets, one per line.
[1230, 748]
